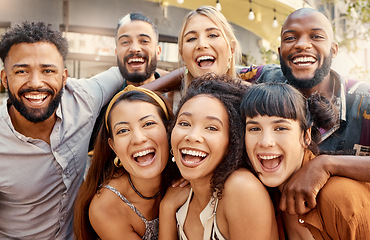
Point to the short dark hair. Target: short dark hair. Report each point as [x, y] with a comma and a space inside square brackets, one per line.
[229, 92]
[283, 100]
[138, 17]
[32, 32]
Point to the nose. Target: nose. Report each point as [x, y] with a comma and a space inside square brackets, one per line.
[194, 136]
[138, 136]
[135, 47]
[35, 80]
[267, 140]
[303, 42]
[202, 42]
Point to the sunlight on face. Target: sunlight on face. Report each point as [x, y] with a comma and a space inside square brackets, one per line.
[200, 137]
[275, 147]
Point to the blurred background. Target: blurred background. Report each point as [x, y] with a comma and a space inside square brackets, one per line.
[90, 25]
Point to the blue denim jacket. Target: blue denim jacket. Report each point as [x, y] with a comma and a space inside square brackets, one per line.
[352, 134]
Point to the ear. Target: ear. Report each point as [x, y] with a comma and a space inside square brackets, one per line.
[115, 51]
[307, 137]
[159, 50]
[279, 50]
[4, 78]
[334, 48]
[232, 46]
[64, 76]
[111, 145]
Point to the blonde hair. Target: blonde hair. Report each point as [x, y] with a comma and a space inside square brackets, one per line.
[227, 31]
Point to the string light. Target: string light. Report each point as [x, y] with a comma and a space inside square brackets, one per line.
[218, 5]
[180, 1]
[251, 13]
[275, 23]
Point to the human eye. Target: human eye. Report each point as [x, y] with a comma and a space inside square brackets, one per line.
[183, 123]
[190, 39]
[213, 35]
[289, 38]
[48, 71]
[122, 131]
[281, 128]
[253, 129]
[149, 123]
[145, 41]
[212, 128]
[20, 71]
[317, 37]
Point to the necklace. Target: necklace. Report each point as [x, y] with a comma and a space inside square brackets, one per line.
[138, 193]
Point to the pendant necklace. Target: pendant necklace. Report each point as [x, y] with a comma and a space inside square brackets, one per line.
[138, 193]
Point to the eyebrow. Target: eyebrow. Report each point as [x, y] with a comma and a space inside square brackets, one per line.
[140, 35]
[17, 65]
[208, 117]
[141, 119]
[293, 31]
[276, 121]
[207, 30]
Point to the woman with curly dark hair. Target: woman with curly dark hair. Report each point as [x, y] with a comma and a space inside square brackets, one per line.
[207, 141]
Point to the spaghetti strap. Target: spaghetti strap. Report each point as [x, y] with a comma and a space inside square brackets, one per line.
[127, 202]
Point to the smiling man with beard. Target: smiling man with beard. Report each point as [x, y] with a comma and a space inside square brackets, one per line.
[306, 51]
[137, 48]
[137, 53]
[45, 129]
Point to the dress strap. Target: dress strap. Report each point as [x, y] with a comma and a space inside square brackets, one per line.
[127, 202]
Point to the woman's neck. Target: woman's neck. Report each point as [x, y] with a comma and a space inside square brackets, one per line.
[201, 192]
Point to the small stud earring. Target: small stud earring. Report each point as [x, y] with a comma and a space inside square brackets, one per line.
[173, 159]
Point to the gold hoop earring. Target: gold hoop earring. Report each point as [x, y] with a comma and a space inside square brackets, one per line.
[117, 162]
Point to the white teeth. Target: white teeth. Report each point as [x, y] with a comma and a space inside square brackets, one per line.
[136, 60]
[304, 60]
[39, 96]
[194, 153]
[268, 157]
[202, 58]
[143, 153]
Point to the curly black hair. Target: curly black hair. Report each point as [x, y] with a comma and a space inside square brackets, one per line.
[32, 32]
[229, 92]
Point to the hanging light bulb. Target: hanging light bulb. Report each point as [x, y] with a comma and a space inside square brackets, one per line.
[251, 14]
[275, 23]
[218, 5]
[180, 1]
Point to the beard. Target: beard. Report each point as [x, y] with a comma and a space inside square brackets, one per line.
[307, 83]
[35, 115]
[137, 77]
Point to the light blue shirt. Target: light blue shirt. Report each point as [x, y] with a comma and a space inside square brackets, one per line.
[38, 181]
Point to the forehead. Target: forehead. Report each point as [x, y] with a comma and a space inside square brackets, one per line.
[205, 105]
[129, 110]
[40, 52]
[200, 22]
[307, 21]
[136, 28]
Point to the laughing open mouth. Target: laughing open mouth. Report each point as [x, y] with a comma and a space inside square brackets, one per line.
[192, 158]
[205, 61]
[304, 61]
[270, 163]
[144, 158]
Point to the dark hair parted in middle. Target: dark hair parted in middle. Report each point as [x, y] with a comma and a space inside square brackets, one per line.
[283, 100]
[229, 92]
